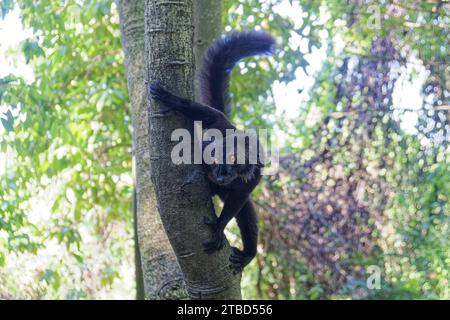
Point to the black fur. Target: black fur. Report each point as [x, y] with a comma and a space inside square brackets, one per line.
[232, 182]
[220, 59]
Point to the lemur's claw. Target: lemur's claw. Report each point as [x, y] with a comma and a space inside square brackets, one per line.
[165, 111]
[216, 243]
[238, 260]
[210, 221]
[157, 91]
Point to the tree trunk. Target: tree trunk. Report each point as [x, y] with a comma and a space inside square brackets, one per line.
[139, 276]
[208, 26]
[161, 273]
[182, 191]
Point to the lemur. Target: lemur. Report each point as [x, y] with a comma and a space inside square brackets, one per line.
[231, 181]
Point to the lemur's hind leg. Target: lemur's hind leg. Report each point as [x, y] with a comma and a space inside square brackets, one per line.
[246, 220]
[232, 205]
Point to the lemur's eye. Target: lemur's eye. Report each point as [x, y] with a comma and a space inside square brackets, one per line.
[232, 158]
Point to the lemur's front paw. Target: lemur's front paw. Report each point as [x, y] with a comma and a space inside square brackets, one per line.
[158, 92]
[238, 260]
[212, 222]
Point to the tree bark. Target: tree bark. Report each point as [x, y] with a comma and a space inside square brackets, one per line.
[161, 273]
[139, 275]
[182, 191]
[208, 26]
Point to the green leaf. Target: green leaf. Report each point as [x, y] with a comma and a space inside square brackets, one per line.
[31, 49]
[5, 7]
[79, 258]
[7, 125]
[10, 117]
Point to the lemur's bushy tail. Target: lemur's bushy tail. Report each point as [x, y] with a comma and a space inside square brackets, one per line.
[220, 59]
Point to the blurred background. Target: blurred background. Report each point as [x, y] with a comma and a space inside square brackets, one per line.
[357, 93]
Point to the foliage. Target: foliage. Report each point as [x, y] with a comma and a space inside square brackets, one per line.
[67, 134]
[352, 194]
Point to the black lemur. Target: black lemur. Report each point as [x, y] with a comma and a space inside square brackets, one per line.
[232, 182]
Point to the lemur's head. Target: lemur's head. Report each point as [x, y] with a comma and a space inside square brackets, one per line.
[238, 156]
